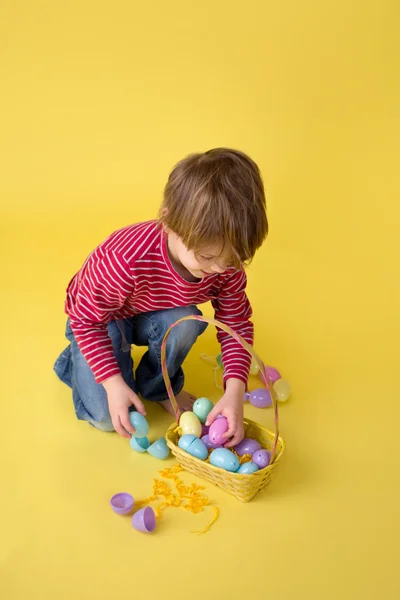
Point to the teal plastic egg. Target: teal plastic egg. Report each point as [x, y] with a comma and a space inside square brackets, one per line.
[186, 440]
[247, 468]
[159, 449]
[193, 446]
[139, 444]
[198, 449]
[139, 423]
[224, 459]
[201, 408]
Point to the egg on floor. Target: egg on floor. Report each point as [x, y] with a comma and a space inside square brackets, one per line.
[139, 423]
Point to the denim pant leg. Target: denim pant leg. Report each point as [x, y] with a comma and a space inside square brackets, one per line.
[90, 398]
[148, 329]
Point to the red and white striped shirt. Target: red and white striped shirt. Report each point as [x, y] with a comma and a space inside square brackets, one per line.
[131, 273]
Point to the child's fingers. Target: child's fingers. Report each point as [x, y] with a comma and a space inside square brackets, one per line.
[237, 438]
[212, 415]
[231, 431]
[119, 428]
[138, 405]
[125, 422]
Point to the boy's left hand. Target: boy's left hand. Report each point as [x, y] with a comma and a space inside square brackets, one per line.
[231, 407]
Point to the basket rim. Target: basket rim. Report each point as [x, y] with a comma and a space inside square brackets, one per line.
[174, 427]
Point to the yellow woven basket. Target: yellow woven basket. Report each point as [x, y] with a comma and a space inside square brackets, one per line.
[243, 487]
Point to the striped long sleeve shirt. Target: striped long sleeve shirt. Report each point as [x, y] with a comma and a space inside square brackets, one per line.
[131, 273]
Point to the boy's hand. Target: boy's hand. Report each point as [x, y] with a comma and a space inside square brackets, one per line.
[231, 407]
[120, 399]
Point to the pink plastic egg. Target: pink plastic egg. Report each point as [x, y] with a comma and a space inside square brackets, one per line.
[217, 430]
[260, 398]
[261, 458]
[247, 446]
[272, 374]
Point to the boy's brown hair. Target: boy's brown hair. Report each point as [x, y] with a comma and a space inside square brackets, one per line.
[217, 197]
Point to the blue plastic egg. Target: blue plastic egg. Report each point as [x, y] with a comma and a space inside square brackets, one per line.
[139, 423]
[224, 459]
[159, 449]
[186, 440]
[198, 449]
[247, 468]
[139, 444]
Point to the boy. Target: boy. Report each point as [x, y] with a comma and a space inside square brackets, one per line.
[146, 276]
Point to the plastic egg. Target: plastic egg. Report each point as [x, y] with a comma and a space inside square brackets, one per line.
[201, 408]
[192, 445]
[139, 444]
[272, 374]
[217, 430]
[208, 442]
[204, 430]
[261, 458]
[159, 449]
[189, 423]
[247, 446]
[185, 441]
[248, 467]
[282, 389]
[198, 449]
[224, 459]
[139, 423]
[219, 361]
[260, 398]
[254, 368]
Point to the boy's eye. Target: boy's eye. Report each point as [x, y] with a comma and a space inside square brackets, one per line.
[205, 257]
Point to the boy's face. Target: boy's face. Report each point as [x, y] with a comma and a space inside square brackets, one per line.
[201, 264]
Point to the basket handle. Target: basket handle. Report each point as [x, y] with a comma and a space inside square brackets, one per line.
[264, 378]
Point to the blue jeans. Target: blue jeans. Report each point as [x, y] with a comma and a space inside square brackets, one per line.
[146, 329]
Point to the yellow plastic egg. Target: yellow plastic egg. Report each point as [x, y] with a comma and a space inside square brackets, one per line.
[282, 389]
[254, 368]
[190, 424]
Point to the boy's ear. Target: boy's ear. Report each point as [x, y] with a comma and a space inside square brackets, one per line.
[163, 213]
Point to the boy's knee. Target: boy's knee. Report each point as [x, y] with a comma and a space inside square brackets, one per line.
[187, 332]
[105, 425]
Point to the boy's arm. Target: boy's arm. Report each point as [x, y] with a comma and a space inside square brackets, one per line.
[232, 307]
[100, 289]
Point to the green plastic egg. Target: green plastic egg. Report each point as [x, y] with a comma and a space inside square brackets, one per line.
[201, 408]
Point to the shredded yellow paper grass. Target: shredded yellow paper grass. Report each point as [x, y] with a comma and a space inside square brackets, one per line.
[188, 497]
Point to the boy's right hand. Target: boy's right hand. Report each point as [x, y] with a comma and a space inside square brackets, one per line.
[120, 399]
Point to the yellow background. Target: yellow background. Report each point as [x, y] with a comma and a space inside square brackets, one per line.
[98, 101]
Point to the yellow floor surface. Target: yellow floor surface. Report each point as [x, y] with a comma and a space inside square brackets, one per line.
[98, 101]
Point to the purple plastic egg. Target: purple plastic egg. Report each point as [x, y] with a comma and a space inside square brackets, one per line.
[272, 374]
[260, 398]
[208, 442]
[204, 429]
[261, 458]
[217, 430]
[247, 446]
